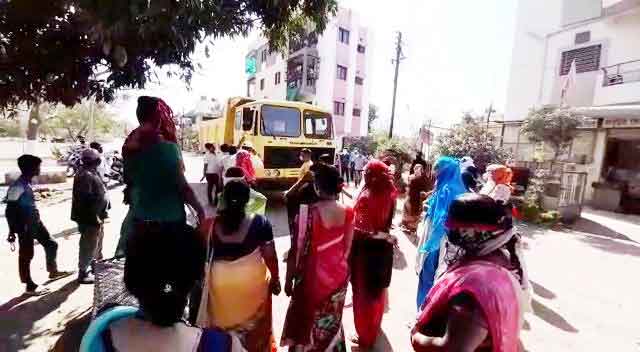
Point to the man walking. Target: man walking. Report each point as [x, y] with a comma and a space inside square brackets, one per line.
[89, 209]
[345, 160]
[359, 162]
[24, 221]
[212, 169]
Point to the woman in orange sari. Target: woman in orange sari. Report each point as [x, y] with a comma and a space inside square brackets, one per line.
[318, 269]
[372, 257]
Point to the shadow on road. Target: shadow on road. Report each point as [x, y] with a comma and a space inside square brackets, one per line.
[613, 246]
[18, 320]
[550, 316]
[542, 291]
[77, 324]
[594, 228]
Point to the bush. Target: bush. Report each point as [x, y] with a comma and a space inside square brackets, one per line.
[9, 128]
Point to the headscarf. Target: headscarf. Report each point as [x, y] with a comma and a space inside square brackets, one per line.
[448, 186]
[377, 198]
[243, 161]
[466, 161]
[500, 174]
[139, 138]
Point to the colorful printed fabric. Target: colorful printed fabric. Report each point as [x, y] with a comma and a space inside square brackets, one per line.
[314, 317]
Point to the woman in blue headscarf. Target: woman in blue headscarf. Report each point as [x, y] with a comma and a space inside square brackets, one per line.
[448, 186]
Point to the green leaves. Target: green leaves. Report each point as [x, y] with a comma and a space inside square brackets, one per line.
[553, 126]
[72, 39]
[471, 138]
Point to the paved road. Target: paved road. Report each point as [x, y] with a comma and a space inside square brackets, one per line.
[585, 297]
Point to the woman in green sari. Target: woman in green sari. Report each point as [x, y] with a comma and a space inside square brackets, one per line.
[157, 189]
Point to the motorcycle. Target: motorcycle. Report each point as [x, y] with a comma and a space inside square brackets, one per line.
[73, 159]
[115, 167]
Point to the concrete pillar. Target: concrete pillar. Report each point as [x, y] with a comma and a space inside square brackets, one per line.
[594, 170]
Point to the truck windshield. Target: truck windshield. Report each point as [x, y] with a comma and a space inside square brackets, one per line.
[280, 121]
[317, 125]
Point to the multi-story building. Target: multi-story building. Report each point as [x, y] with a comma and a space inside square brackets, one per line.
[602, 37]
[329, 70]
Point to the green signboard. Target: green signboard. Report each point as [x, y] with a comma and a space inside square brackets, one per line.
[250, 65]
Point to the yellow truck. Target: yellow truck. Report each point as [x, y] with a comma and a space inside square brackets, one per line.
[278, 130]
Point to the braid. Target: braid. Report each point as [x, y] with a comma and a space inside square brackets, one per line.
[513, 257]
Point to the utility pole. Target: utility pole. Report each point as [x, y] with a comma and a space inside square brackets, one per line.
[395, 80]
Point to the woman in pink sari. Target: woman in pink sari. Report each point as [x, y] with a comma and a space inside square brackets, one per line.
[372, 257]
[318, 269]
[476, 305]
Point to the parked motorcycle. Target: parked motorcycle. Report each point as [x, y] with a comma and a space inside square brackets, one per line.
[115, 167]
[73, 159]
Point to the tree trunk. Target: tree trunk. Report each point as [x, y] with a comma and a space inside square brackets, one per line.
[33, 125]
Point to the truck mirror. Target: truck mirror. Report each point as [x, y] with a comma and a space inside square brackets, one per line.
[247, 119]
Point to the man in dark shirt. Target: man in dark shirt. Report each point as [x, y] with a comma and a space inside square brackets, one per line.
[89, 209]
[24, 221]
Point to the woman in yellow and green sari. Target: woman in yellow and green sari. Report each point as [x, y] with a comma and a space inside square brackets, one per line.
[242, 272]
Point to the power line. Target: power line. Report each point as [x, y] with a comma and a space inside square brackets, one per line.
[397, 60]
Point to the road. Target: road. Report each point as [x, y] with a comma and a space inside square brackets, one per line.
[584, 296]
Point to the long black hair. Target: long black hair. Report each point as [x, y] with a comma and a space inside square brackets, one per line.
[162, 265]
[235, 196]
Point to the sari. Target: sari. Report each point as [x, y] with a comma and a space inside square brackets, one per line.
[372, 255]
[491, 287]
[314, 317]
[448, 186]
[239, 300]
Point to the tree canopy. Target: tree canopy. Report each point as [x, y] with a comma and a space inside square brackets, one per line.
[71, 122]
[372, 117]
[555, 127]
[61, 51]
[471, 138]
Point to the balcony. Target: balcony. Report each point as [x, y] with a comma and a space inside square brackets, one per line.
[618, 84]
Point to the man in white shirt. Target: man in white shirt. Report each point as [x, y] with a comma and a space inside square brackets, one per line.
[211, 171]
[229, 160]
[359, 162]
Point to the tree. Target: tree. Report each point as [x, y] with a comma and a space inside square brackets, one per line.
[373, 116]
[71, 122]
[471, 138]
[555, 127]
[61, 51]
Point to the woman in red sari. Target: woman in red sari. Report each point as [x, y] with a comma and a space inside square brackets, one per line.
[372, 257]
[318, 269]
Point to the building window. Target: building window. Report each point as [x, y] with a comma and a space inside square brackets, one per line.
[343, 35]
[277, 78]
[262, 84]
[356, 112]
[338, 108]
[359, 80]
[587, 59]
[263, 56]
[342, 73]
[361, 49]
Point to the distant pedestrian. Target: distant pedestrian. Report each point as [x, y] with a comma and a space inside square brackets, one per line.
[359, 162]
[211, 172]
[302, 192]
[345, 168]
[89, 206]
[24, 221]
[419, 160]
[469, 173]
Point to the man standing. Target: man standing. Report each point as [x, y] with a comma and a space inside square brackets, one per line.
[302, 192]
[212, 168]
[345, 160]
[359, 162]
[89, 209]
[24, 221]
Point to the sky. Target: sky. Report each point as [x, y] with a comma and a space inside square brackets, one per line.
[458, 55]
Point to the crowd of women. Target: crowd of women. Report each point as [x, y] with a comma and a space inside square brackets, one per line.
[472, 279]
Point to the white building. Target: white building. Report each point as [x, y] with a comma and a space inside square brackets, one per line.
[603, 38]
[330, 71]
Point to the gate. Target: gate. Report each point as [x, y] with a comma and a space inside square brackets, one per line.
[572, 190]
